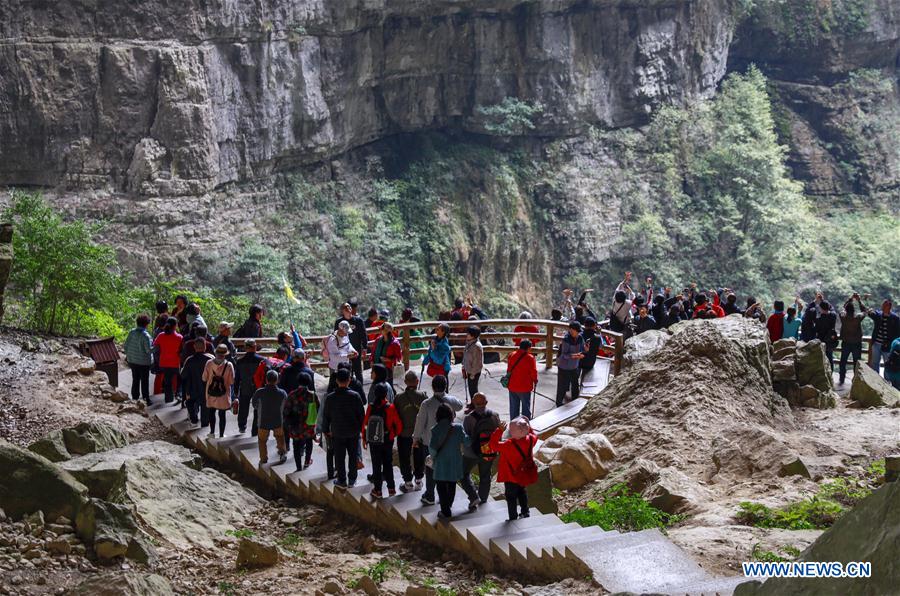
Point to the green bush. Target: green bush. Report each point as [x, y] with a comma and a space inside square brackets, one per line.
[510, 117]
[623, 510]
[62, 281]
[788, 553]
[813, 513]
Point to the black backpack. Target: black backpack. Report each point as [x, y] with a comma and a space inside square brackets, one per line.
[216, 386]
[375, 428]
[481, 435]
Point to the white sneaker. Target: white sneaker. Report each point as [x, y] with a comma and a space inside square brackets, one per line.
[418, 484]
[212, 433]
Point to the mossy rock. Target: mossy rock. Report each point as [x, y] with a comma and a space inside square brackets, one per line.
[52, 446]
[91, 437]
[30, 482]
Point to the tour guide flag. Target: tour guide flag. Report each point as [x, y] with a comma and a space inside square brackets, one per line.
[288, 291]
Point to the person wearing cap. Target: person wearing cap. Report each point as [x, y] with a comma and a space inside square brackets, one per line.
[472, 360]
[224, 337]
[246, 368]
[593, 342]
[219, 378]
[339, 349]
[571, 351]
[516, 468]
[268, 401]
[356, 334]
[521, 367]
[479, 424]
[194, 386]
[410, 456]
[300, 414]
[168, 346]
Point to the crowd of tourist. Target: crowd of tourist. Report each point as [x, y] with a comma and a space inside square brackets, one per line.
[436, 451]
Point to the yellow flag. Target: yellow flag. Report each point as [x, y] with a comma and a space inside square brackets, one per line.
[288, 291]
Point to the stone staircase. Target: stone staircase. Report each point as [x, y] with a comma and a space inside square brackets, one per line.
[540, 545]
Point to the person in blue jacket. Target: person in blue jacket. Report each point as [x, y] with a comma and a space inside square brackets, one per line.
[447, 439]
[438, 357]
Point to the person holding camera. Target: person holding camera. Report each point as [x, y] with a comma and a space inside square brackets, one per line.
[851, 334]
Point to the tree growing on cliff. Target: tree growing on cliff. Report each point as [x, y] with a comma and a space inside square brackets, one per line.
[62, 281]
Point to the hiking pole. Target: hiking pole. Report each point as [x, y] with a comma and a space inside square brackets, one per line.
[533, 400]
[421, 374]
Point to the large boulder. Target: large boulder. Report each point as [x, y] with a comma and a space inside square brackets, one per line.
[52, 446]
[871, 390]
[91, 437]
[581, 459]
[672, 491]
[746, 335]
[868, 532]
[812, 366]
[638, 347]
[123, 584]
[102, 471]
[110, 527]
[30, 482]
[184, 506]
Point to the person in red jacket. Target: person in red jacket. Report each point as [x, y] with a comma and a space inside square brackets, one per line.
[775, 322]
[523, 377]
[379, 439]
[387, 350]
[169, 345]
[525, 327]
[703, 303]
[276, 364]
[516, 468]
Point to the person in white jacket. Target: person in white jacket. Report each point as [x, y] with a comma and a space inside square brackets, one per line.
[425, 421]
[338, 349]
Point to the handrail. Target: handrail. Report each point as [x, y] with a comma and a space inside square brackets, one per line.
[404, 331]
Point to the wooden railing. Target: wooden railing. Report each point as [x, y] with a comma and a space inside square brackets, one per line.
[544, 342]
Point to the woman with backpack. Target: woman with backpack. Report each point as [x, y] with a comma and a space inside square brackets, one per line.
[381, 426]
[301, 410]
[438, 357]
[219, 377]
[516, 468]
[447, 439]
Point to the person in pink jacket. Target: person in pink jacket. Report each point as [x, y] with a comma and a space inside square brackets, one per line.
[516, 468]
[219, 377]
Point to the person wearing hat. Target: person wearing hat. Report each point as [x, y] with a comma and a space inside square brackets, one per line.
[516, 468]
[268, 401]
[479, 424]
[224, 337]
[521, 368]
[356, 334]
[246, 367]
[339, 349]
[219, 378]
[571, 351]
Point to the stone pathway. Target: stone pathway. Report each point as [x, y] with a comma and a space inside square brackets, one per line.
[542, 545]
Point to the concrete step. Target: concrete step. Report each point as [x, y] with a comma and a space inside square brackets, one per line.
[479, 537]
[717, 586]
[644, 561]
[499, 545]
[533, 553]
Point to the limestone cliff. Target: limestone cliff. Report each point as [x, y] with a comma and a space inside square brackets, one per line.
[181, 97]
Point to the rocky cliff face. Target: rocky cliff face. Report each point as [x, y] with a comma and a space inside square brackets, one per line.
[178, 98]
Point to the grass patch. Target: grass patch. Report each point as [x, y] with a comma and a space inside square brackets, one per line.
[291, 542]
[620, 509]
[486, 587]
[833, 499]
[381, 570]
[785, 553]
[242, 533]
[227, 588]
[441, 590]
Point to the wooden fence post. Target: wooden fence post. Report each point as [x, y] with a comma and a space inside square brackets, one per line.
[548, 350]
[405, 343]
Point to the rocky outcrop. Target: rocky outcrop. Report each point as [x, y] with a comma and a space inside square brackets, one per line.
[127, 583]
[871, 390]
[177, 99]
[801, 374]
[30, 482]
[640, 346]
[868, 532]
[182, 505]
[113, 531]
[86, 437]
[102, 472]
[580, 459]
